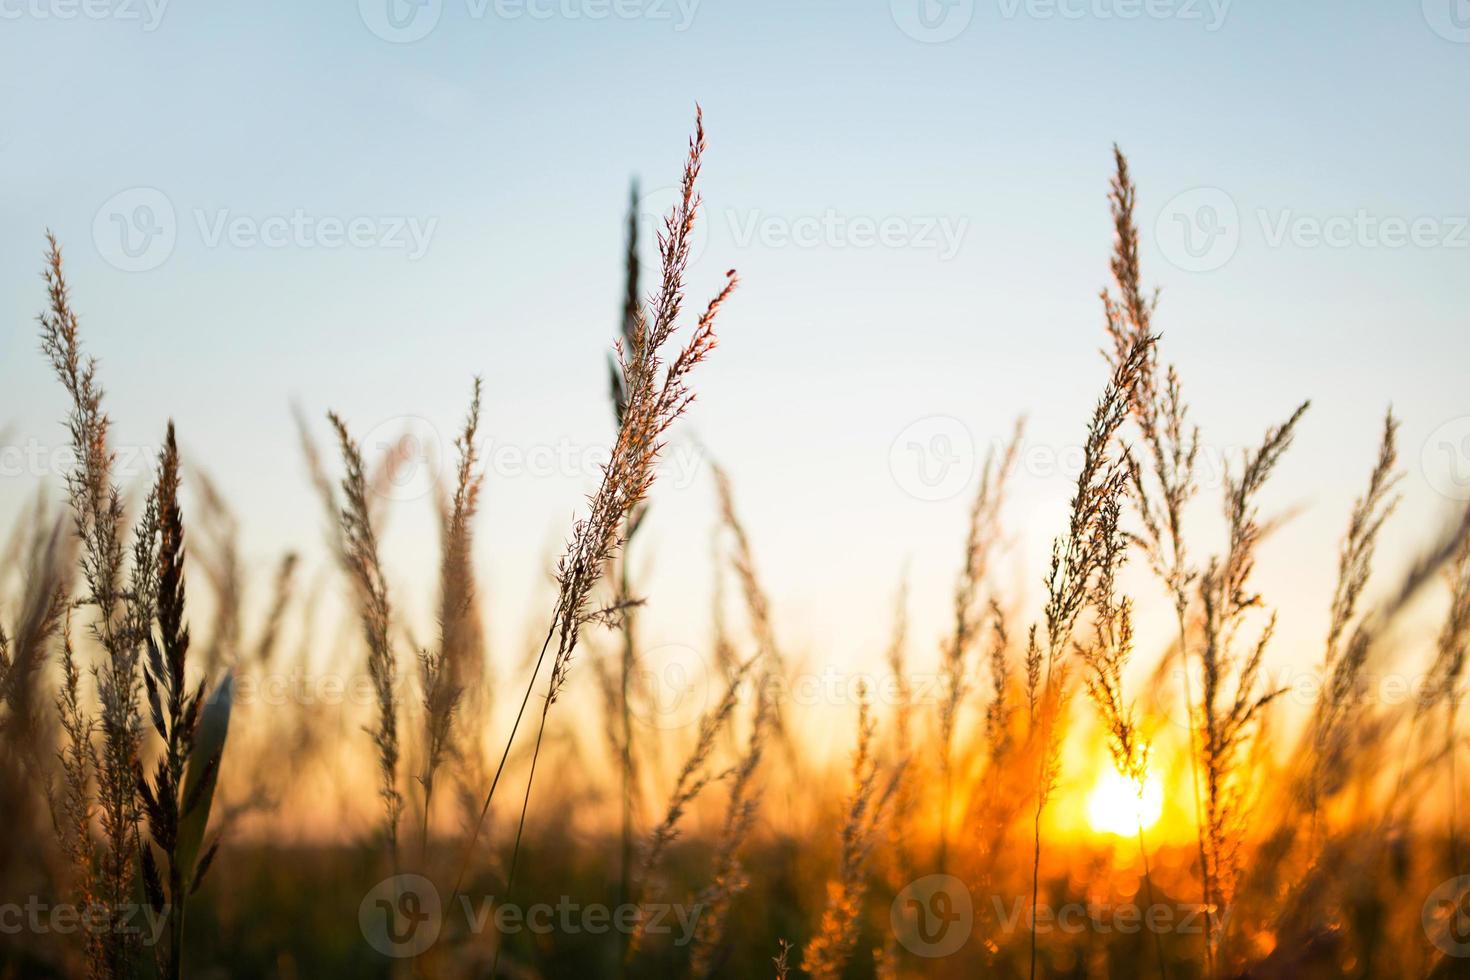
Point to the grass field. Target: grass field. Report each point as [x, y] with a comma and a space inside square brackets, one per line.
[1052, 800]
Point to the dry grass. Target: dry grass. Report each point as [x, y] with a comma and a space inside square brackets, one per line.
[1312, 839]
[133, 610]
[360, 557]
[829, 950]
[122, 613]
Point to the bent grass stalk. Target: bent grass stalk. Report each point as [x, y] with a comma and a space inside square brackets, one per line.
[1171, 447]
[655, 398]
[1087, 551]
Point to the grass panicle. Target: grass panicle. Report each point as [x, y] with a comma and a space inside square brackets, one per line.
[447, 671]
[360, 557]
[656, 395]
[827, 953]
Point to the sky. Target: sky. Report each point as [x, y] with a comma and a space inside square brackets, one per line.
[360, 206]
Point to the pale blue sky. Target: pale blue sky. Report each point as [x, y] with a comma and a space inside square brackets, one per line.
[513, 139]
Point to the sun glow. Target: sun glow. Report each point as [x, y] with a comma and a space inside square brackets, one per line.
[1115, 805]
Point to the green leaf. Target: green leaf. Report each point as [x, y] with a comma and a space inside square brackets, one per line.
[202, 774]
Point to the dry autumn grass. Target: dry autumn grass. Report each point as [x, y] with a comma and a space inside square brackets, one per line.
[137, 780]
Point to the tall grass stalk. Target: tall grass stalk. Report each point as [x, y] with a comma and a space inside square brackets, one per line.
[981, 542]
[360, 556]
[628, 650]
[1170, 448]
[1105, 658]
[446, 671]
[1086, 552]
[122, 604]
[1231, 702]
[1335, 722]
[172, 804]
[827, 953]
[729, 879]
[656, 396]
[693, 777]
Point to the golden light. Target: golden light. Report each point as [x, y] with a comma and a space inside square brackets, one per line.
[1116, 807]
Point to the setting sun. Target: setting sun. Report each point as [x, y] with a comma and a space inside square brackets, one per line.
[1116, 807]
